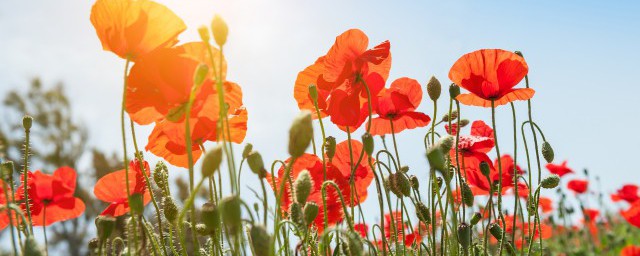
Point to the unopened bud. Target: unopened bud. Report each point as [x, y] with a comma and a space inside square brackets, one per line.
[476, 218]
[300, 134]
[201, 74]
[93, 245]
[27, 122]
[400, 185]
[519, 53]
[467, 195]
[464, 235]
[295, 212]
[550, 182]
[204, 34]
[136, 203]
[212, 161]
[160, 175]
[6, 171]
[414, 182]
[454, 90]
[247, 149]
[485, 169]
[436, 158]
[434, 88]
[210, 215]
[464, 122]
[220, 30]
[311, 210]
[201, 229]
[231, 213]
[446, 143]
[330, 146]
[367, 141]
[254, 159]
[313, 93]
[260, 240]
[303, 186]
[423, 212]
[169, 209]
[547, 152]
[104, 226]
[496, 231]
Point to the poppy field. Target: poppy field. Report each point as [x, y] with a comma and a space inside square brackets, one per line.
[478, 191]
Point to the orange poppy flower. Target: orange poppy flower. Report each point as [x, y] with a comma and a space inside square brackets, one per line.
[545, 204]
[362, 229]
[112, 188]
[490, 75]
[339, 75]
[4, 217]
[632, 215]
[628, 193]
[578, 186]
[133, 28]
[398, 104]
[630, 250]
[51, 196]
[560, 170]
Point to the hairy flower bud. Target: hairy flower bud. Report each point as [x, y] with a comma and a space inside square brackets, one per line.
[400, 185]
[212, 161]
[220, 30]
[254, 159]
[446, 143]
[311, 210]
[496, 231]
[27, 122]
[6, 171]
[436, 158]
[260, 240]
[423, 212]
[467, 195]
[93, 245]
[550, 181]
[295, 212]
[201, 229]
[161, 175]
[303, 186]
[454, 90]
[300, 134]
[464, 235]
[475, 218]
[231, 213]
[367, 141]
[313, 93]
[434, 88]
[547, 152]
[464, 122]
[203, 31]
[415, 184]
[330, 146]
[247, 150]
[210, 215]
[169, 209]
[104, 226]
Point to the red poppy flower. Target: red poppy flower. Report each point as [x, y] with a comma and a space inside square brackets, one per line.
[560, 170]
[578, 186]
[362, 229]
[592, 214]
[131, 29]
[453, 130]
[630, 250]
[632, 215]
[112, 188]
[490, 74]
[397, 105]
[472, 150]
[628, 193]
[339, 171]
[545, 204]
[406, 234]
[51, 197]
[339, 77]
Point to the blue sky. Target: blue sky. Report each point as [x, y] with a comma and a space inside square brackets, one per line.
[583, 59]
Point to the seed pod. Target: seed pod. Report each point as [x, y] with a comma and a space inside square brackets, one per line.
[485, 169]
[212, 161]
[260, 240]
[464, 235]
[436, 158]
[423, 213]
[476, 218]
[311, 210]
[414, 182]
[330, 147]
[454, 90]
[434, 88]
[210, 215]
[467, 195]
[303, 186]
[547, 152]
[256, 164]
[169, 209]
[296, 213]
[496, 231]
[135, 203]
[300, 134]
[27, 122]
[220, 30]
[203, 31]
[104, 226]
[550, 181]
[367, 141]
[313, 93]
[200, 75]
[231, 213]
[247, 150]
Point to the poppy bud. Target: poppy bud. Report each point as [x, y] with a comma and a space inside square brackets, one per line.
[467, 195]
[311, 210]
[247, 150]
[550, 181]
[423, 212]
[27, 122]
[295, 212]
[454, 90]
[169, 209]
[403, 184]
[547, 152]
[367, 141]
[204, 34]
[300, 134]
[200, 75]
[436, 158]
[446, 143]
[313, 93]
[414, 182]
[201, 229]
[94, 245]
[495, 230]
[303, 186]
[231, 213]
[464, 235]
[6, 171]
[454, 115]
[464, 122]
[210, 215]
[260, 240]
[135, 203]
[519, 53]
[393, 184]
[476, 218]
[484, 169]
[330, 146]
[160, 174]
[104, 226]
[211, 161]
[354, 244]
[254, 159]
[434, 88]
[220, 30]
[31, 247]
